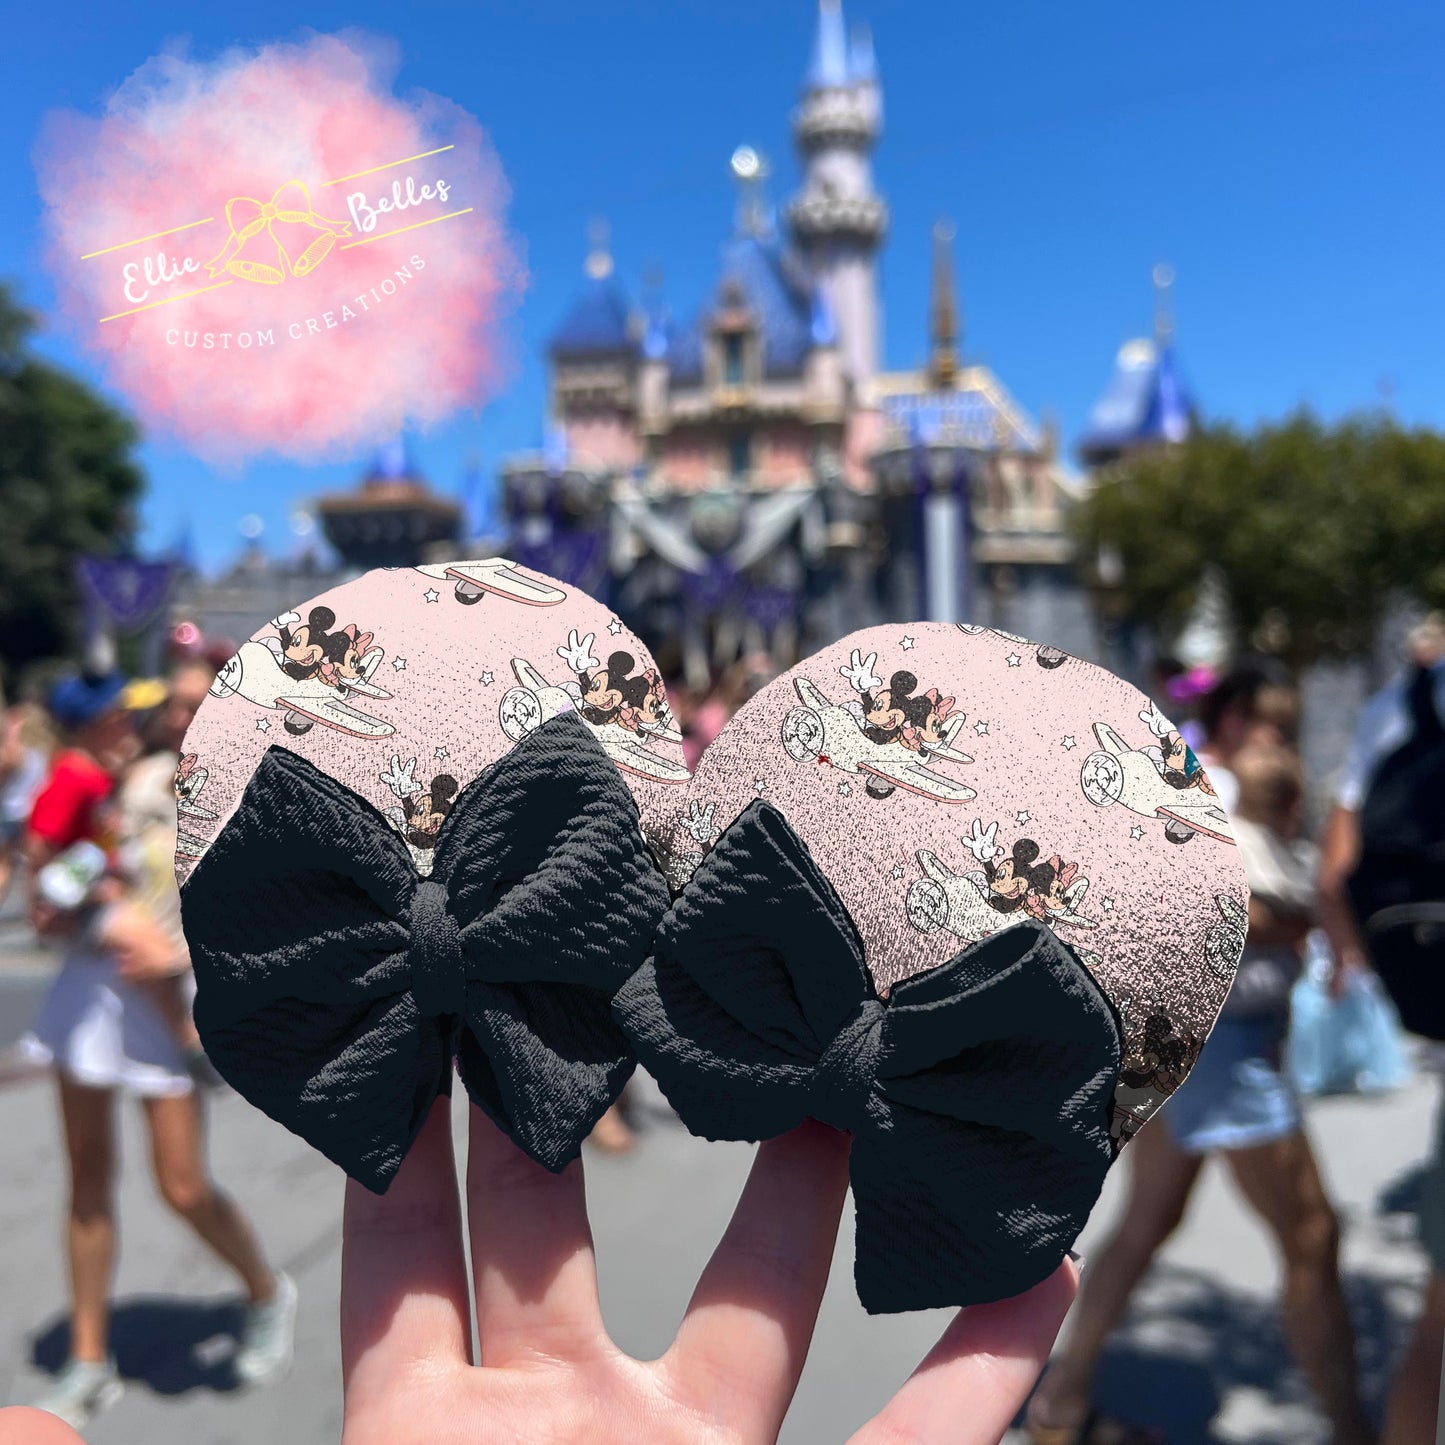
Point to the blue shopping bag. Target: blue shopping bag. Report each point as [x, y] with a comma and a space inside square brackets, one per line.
[1346, 1045]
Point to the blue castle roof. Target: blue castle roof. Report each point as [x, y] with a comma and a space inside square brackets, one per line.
[781, 300]
[1144, 404]
[599, 323]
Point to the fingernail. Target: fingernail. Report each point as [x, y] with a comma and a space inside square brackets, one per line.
[1079, 1260]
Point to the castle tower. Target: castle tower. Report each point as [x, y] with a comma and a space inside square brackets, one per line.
[838, 221]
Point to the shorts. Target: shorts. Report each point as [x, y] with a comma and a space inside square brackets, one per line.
[106, 1033]
[1237, 1095]
[1432, 1198]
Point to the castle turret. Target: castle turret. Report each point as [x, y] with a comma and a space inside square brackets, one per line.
[838, 221]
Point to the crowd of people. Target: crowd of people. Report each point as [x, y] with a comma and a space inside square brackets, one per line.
[87, 818]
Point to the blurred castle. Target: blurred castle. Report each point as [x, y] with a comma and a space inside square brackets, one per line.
[752, 478]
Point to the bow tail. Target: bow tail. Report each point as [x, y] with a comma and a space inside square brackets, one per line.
[358, 1089]
[543, 1061]
[951, 1215]
[995, 1078]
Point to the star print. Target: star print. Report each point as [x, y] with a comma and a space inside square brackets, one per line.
[431, 594]
[760, 784]
[1014, 659]
[1107, 905]
[897, 870]
[845, 790]
[980, 727]
[1136, 832]
[440, 755]
[262, 726]
[614, 627]
[907, 644]
[1022, 817]
[1070, 743]
[399, 663]
[486, 679]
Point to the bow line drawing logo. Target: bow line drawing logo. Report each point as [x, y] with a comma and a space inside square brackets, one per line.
[288, 217]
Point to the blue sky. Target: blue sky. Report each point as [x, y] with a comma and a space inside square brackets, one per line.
[1283, 157]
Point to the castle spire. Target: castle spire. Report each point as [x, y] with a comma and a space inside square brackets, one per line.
[1163, 276]
[943, 310]
[829, 69]
[837, 219]
[599, 249]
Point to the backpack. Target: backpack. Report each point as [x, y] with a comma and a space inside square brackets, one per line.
[1398, 888]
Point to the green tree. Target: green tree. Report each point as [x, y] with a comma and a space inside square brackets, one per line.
[68, 481]
[1313, 530]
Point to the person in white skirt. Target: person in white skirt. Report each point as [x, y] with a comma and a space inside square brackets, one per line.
[102, 1030]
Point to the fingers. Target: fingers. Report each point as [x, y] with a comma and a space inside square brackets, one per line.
[977, 1377]
[746, 1333]
[20, 1425]
[403, 1273]
[532, 1261]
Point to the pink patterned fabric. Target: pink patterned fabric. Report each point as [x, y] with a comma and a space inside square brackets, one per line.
[942, 775]
[407, 683]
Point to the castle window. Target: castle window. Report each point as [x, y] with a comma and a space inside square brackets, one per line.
[739, 453]
[733, 359]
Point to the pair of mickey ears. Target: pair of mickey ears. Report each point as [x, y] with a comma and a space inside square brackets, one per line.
[456, 779]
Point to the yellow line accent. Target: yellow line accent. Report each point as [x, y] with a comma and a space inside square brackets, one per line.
[355, 175]
[151, 305]
[415, 226]
[155, 236]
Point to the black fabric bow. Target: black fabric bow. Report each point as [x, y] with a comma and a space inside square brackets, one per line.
[978, 1093]
[334, 986]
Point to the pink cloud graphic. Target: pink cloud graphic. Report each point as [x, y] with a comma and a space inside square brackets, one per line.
[329, 294]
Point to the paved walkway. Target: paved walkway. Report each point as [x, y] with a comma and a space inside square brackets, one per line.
[1201, 1354]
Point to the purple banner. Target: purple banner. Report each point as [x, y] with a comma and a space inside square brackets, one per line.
[127, 592]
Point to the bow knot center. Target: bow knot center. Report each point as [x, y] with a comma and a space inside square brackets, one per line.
[438, 980]
[848, 1070]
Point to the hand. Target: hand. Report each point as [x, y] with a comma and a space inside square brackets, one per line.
[578, 655]
[548, 1370]
[1348, 964]
[699, 822]
[859, 672]
[285, 620]
[399, 777]
[981, 841]
[1156, 722]
[20, 1425]
[142, 949]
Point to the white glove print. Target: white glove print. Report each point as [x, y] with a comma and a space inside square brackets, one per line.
[578, 655]
[981, 842]
[859, 672]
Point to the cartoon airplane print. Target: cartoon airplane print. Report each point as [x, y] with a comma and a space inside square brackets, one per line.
[1004, 889]
[190, 782]
[1162, 780]
[255, 674]
[885, 734]
[624, 713]
[496, 575]
[1045, 656]
[420, 809]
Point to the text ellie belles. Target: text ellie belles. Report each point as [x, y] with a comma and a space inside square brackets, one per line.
[306, 326]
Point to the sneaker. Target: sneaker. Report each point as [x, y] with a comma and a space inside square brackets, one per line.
[81, 1390]
[268, 1342]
